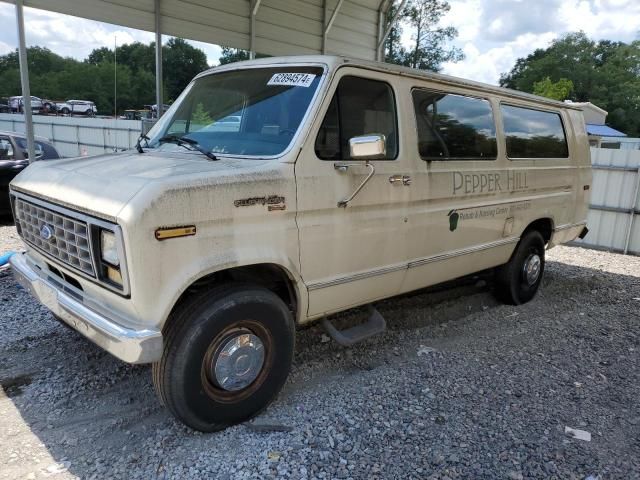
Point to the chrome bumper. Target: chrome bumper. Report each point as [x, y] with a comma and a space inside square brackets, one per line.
[71, 305]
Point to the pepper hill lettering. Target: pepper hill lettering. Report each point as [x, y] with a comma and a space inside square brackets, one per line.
[466, 183]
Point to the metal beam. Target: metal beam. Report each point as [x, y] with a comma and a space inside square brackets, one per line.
[383, 9]
[382, 13]
[329, 24]
[24, 80]
[159, 99]
[387, 29]
[255, 6]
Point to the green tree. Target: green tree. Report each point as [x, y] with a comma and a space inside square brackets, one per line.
[394, 52]
[429, 49]
[99, 55]
[200, 116]
[559, 90]
[181, 62]
[57, 78]
[231, 55]
[605, 73]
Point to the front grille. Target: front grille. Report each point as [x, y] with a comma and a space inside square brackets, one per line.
[62, 237]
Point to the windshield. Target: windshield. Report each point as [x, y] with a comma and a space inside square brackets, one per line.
[253, 112]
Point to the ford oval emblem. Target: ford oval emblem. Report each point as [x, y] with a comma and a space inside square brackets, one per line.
[46, 232]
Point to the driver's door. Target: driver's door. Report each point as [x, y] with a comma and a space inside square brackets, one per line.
[355, 254]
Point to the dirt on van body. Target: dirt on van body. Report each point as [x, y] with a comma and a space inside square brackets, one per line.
[459, 387]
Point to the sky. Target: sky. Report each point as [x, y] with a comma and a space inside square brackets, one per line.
[493, 34]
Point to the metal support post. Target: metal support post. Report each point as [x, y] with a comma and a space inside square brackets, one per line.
[632, 213]
[159, 99]
[24, 80]
[255, 5]
[329, 24]
[387, 29]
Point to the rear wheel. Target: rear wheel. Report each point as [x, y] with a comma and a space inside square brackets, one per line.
[227, 355]
[65, 111]
[518, 280]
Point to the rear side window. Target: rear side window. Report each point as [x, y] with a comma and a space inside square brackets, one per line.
[454, 127]
[359, 107]
[533, 133]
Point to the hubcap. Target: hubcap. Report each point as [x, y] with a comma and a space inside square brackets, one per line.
[531, 270]
[238, 362]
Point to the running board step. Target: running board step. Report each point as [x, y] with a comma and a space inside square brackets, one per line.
[374, 325]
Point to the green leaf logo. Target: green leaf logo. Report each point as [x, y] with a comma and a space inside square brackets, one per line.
[453, 220]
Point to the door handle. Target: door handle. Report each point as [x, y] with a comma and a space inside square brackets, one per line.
[404, 180]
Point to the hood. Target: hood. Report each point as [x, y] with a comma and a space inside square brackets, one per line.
[104, 184]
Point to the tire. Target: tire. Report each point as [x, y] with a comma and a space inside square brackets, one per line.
[185, 378]
[518, 280]
[65, 111]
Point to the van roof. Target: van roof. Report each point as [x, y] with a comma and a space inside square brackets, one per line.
[334, 61]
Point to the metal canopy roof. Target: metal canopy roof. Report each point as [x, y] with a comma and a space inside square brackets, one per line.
[272, 27]
[603, 131]
[356, 28]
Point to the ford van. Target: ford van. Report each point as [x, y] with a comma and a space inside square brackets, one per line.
[278, 191]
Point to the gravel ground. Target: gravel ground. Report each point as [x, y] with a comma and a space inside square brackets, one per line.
[459, 387]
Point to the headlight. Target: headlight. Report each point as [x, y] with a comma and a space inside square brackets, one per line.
[109, 248]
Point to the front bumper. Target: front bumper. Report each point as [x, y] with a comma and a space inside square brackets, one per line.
[90, 319]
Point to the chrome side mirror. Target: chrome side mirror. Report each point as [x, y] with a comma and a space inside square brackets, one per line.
[368, 147]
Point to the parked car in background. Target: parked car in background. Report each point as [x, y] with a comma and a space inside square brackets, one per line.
[77, 107]
[136, 114]
[14, 158]
[4, 108]
[17, 104]
[154, 109]
[49, 106]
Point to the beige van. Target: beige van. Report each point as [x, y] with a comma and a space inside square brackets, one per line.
[277, 191]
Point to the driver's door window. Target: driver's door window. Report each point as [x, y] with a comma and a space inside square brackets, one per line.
[360, 106]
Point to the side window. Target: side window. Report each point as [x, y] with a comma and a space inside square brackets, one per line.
[6, 149]
[359, 107]
[533, 133]
[38, 148]
[454, 127]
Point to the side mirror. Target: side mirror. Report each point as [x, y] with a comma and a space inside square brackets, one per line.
[368, 147]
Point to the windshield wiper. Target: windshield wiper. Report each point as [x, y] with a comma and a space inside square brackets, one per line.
[188, 143]
[138, 146]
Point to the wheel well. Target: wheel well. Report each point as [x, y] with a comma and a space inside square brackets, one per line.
[268, 275]
[542, 225]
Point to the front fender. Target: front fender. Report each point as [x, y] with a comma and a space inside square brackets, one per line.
[241, 258]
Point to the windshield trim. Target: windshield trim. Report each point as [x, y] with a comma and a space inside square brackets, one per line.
[303, 123]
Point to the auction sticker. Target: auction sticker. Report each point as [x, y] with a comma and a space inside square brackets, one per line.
[292, 79]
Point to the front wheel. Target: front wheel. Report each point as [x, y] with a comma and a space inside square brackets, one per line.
[518, 280]
[227, 355]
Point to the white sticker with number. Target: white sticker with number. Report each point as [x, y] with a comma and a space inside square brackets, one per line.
[292, 79]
